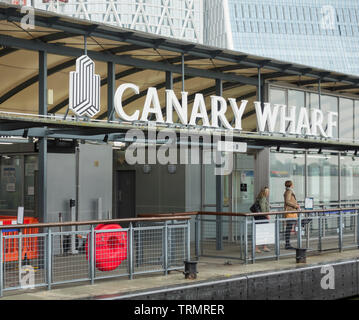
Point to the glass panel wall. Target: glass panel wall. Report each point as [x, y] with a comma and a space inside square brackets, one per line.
[356, 119]
[323, 177]
[312, 102]
[296, 98]
[286, 166]
[29, 181]
[17, 186]
[11, 182]
[329, 104]
[277, 96]
[346, 122]
[349, 184]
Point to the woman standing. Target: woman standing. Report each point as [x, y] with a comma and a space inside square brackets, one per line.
[263, 202]
[290, 204]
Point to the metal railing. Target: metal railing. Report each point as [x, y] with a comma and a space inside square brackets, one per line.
[240, 236]
[50, 257]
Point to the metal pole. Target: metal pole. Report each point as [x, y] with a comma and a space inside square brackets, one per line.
[277, 236]
[299, 234]
[219, 186]
[197, 236]
[188, 241]
[111, 83]
[357, 220]
[49, 258]
[320, 231]
[130, 252]
[340, 231]
[85, 45]
[42, 141]
[165, 248]
[245, 239]
[61, 235]
[92, 256]
[259, 86]
[182, 65]
[1, 263]
[253, 240]
[20, 252]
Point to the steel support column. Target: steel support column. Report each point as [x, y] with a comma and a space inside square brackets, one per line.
[169, 80]
[111, 83]
[219, 187]
[42, 176]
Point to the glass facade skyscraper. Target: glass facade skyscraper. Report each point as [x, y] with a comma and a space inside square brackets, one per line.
[181, 19]
[318, 33]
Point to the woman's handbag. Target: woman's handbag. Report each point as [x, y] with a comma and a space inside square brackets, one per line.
[255, 207]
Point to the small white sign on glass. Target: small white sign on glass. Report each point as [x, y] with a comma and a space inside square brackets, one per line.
[20, 215]
[309, 204]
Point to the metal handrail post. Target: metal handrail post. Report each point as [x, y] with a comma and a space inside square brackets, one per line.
[197, 236]
[20, 252]
[340, 231]
[130, 252]
[188, 240]
[299, 233]
[277, 236]
[246, 240]
[319, 232]
[165, 248]
[92, 255]
[253, 240]
[49, 258]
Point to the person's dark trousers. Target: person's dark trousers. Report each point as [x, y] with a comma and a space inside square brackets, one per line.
[288, 229]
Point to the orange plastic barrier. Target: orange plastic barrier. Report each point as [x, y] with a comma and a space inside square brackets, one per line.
[29, 244]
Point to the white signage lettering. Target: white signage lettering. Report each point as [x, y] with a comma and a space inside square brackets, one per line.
[270, 118]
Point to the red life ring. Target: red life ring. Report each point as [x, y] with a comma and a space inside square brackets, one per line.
[111, 247]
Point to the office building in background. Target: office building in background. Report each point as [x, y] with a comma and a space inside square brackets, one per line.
[320, 33]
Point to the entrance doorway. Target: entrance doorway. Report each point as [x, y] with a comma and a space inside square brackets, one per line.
[126, 194]
[237, 187]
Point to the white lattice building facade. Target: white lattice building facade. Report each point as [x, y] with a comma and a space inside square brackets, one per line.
[181, 19]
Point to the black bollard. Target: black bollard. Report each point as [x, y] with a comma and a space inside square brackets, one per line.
[300, 255]
[190, 269]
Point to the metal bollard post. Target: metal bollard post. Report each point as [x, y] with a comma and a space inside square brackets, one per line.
[253, 240]
[320, 232]
[130, 252]
[340, 231]
[197, 236]
[1, 263]
[92, 255]
[20, 252]
[277, 236]
[188, 241]
[61, 235]
[246, 239]
[49, 258]
[299, 233]
[165, 248]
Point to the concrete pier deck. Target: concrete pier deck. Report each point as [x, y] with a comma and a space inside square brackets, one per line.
[239, 281]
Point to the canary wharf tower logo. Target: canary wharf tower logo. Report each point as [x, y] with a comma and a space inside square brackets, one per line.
[84, 99]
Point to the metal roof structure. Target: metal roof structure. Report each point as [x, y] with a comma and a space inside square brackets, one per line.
[34, 60]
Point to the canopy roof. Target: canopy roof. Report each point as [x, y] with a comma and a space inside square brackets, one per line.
[139, 58]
